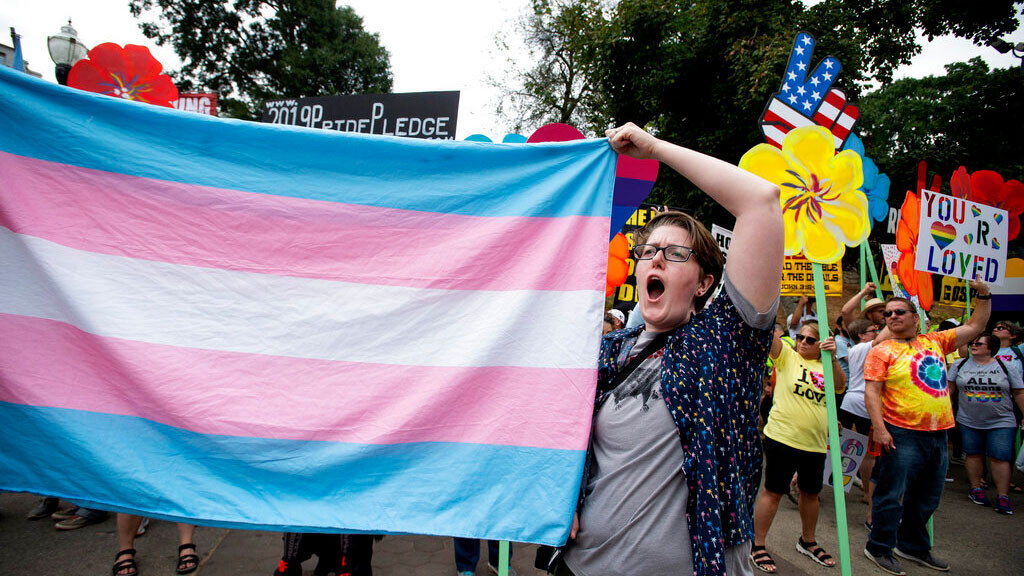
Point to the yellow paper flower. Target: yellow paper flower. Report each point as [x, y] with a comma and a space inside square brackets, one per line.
[822, 207]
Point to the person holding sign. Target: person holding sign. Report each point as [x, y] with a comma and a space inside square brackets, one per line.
[987, 388]
[675, 458]
[907, 396]
[795, 442]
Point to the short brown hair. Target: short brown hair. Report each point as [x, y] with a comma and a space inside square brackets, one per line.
[705, 249]
[858, 327]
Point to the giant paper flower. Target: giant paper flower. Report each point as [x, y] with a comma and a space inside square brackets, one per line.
[988, 187]
[875, 186]
[822, 208]
[130, 73]
[915, 282]
[618, 265]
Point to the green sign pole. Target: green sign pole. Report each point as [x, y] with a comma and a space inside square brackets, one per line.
[503, 558]
[871, 266]
[863, 272]
[833, 426]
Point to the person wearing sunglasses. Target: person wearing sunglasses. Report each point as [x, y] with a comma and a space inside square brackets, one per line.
[987, 390]
[677, 401]
[907, 395]
[795, 442]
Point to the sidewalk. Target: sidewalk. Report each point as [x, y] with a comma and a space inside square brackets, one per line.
[976, 541]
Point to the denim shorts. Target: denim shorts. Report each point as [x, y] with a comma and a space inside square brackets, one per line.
[995, 442]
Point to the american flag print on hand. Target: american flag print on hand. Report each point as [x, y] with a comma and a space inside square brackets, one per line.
[804, 100]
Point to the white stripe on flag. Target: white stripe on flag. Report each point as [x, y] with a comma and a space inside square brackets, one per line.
[828, 110]
[212, 309]
[847, 121]
[788, 114]
[773, 133]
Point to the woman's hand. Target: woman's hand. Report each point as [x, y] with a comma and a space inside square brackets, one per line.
[829, 344]
[575, 526]
[631, 140]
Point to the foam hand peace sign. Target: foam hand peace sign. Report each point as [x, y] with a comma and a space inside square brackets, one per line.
[804, 100]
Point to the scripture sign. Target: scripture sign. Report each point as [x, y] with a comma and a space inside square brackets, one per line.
[798, 277]
[429, 115]
[962, 239]
[853, 447]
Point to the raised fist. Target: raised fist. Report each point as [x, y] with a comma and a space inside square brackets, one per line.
[805, 101]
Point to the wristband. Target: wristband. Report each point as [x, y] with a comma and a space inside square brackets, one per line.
[983, 297]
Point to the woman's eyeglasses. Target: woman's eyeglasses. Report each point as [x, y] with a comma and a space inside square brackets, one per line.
[1001, 327]
[898, 312]
[672, 253]
[977, 343]
[811, 340]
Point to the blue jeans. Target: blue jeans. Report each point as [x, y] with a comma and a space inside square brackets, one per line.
[916, 473]
[467, 553]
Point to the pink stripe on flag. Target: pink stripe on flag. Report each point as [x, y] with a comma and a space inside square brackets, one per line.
[52, 364]
[187, 224]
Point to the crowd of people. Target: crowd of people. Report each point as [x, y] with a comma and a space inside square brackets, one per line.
[687, 416]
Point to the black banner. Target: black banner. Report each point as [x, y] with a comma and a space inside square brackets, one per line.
[430, 115]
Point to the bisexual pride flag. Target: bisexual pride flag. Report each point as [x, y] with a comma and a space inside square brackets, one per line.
[256, 326]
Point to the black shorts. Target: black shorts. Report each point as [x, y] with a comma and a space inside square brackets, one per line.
[858, 424]
[781, 461]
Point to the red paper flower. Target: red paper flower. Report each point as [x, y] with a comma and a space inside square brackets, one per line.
[618, 267]
[988, 187]
[130, 73]
[915, 282]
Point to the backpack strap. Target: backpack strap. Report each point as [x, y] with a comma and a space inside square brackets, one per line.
[1003, 366]
[1017, 352]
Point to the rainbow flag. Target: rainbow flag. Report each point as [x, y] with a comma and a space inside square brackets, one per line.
[256, 326]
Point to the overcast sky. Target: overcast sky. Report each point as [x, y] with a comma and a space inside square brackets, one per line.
[435, 45]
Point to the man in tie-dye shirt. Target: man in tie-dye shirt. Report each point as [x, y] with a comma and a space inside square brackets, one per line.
[907, 397]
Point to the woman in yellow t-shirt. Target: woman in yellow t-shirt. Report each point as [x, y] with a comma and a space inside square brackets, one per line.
[795, 442]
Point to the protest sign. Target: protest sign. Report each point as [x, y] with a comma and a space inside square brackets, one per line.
[201, 103]
[430, 115]
[798, 277]
[961, 238]
[853, 447]
[723, 236]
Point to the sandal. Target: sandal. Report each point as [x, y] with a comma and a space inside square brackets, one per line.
[126, 564]
[815, 552]
[762, 560]
[187, 563]
[1016, 489]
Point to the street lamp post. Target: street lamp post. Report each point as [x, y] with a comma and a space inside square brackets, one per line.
[1002, 46]
[65, 49]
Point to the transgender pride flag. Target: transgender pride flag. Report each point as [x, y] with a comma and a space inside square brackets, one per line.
[257, 326]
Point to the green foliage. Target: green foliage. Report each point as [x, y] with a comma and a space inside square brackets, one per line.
[700, 72]
[250, 51]
[969, 117]
[563, 38]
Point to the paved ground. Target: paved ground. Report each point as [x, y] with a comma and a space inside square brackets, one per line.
[975, 540]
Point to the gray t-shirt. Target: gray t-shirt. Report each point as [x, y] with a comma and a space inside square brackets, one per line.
[633, 520]
[985, 398]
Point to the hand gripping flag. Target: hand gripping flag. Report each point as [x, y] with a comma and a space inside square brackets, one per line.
[257, 326]
[803, 101]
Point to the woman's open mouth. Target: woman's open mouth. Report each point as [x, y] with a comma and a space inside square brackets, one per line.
[655, 288]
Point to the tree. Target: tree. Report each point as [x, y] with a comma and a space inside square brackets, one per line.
[250, 51]
[968, 117]
[699, 72]
[563, 37]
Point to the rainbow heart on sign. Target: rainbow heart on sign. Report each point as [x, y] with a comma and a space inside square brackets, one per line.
[975, 210]
[995, 244]
[968, 238]
[998, 218]
[942, 234]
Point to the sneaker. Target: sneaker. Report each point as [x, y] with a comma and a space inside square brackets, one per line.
[142, 527]
[887, 563]
[928, 560]
[64, 513]
[1003, 505]
[958, 460]
[977, 495]
[43, 508]
[74, 523]
[494, 569]
[466, 573]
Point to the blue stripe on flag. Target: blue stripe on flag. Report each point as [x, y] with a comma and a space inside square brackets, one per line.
[59, 124]
[161, 471]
